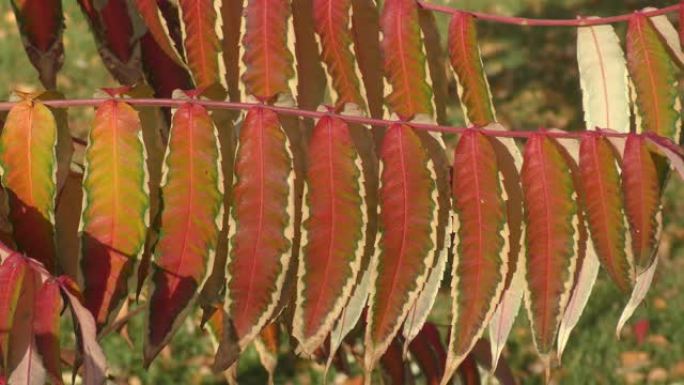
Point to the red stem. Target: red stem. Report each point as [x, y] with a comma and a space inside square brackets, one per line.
[579, 22]
[67, 103]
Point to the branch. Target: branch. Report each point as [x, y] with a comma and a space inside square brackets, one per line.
[220, 105]
[579, 22]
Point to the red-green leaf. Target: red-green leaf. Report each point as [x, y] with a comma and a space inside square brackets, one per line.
[334, 237]
[332, 26]
[404, 60]
[12, 272]
[602, 197]
[312, 87]
[261, 225]
[28, 165]
[552, 228]
[202, 45]
[231, 17]
[267, 58]
[41, 24]
[47, 310]
[115, 216]
[654, 78]
[473, 88]
[408, 219]
[641, 189]
[192, 196]
[481, 261]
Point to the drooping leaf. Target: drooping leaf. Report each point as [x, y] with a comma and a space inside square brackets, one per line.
[202, 45]
[473, 88]
[267, 59]
[150, 12]
[641, 190]
[604, 78]
[24, 365]
[12, 273]
[602, 199]
[429, 352]
[654, 78]
[231, 17]
[267, 348]
[408, 218]
[115, 215]
[643, 283]
[551, 237]
[94, 362]
[311, 79]
[162, 73]
[480, 264]
[392, 363]
[404, 60]
[41, 24]
[366, 35]
[509, 160]
[261, 227]
[28, 166]
[334, 238]
[436, 57]
[116, 37]
[47, 310]
[192, 189]
[331, 20]
[673, 153]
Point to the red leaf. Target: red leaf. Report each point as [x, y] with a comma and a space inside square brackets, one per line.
[202, 45]
[366, 34]
[404, 60]
[333, 243]
[408, 217]
[429, 352]
[551, 217]
[163, 74]
[42, 23]
[150, 12]
[261, 225]
[331, 21]
[267, 58]
[480, 267]
[600, 184]
[641, 189]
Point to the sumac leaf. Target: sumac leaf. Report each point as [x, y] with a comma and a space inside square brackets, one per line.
[604, 78]
[331, 18]
[334, 237]
[114, 220]
[408, 219]
[552, 230]
[602, 198]
[202, 45]
[641, 189]
[366, 35]
[47, 311]
[41, 24]
[267, 58]
[12, 273]
[473, 88]
[261, 223]
[480, 264]
[654, 78]
[29, 166]
[150, 13]
[192, 196]
[404, 60]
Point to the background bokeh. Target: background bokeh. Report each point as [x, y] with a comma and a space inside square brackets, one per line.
[534, 79]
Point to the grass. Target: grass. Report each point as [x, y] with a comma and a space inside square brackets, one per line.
[529, 90]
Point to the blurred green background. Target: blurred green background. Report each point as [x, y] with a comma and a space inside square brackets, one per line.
[535, 83]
